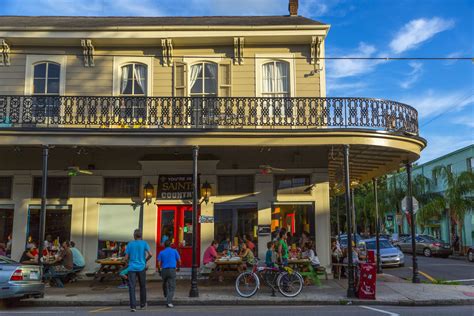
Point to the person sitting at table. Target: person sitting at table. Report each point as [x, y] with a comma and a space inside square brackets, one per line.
[248, 259]
[310, 253]
[64, 261]
[304, 239]
[224, 245]
[248, 241]
[77, 257]
[48, 243]
[30, 255]
[210, 256]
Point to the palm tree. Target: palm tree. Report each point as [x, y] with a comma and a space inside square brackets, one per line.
[457, 198]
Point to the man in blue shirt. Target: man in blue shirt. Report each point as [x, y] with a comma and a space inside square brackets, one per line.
[168, 263]
[137, 254]
[77, 257]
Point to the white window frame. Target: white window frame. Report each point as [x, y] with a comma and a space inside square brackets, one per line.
[261, 59]
[32, 60]
[196, 60]
[203, 94]
[119, 62]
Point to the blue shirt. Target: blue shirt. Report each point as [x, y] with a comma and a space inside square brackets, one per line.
[77, 258]
[168, 258]
[136, 251]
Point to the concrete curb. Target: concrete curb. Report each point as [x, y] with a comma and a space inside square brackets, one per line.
[247, 302]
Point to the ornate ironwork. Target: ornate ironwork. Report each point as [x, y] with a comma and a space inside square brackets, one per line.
[206, 113]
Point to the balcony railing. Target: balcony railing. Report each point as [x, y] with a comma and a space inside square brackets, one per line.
[206, 113]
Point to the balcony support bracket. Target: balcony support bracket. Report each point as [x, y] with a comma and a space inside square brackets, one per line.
[167, 52]
[5, 53]
[315, 49]
[88, 52]
[238, 50]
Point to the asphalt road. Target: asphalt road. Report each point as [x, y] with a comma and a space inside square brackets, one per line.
[253, 310]
[447, 269]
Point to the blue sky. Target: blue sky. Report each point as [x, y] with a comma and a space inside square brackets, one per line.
[441, 91]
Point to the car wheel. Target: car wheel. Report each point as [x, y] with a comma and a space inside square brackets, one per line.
[470, 256]
[427, 252]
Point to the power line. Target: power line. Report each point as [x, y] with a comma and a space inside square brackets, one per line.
[461, 100]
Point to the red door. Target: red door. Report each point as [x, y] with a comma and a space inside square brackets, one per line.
[175, 223]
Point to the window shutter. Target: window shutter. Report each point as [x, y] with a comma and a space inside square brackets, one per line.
[180, 79]
[225, 79]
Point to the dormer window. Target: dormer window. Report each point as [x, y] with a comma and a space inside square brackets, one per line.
[46, 78]
[133, 79]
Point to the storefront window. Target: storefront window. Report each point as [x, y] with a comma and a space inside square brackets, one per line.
[117, 222]
[6, 228]
[295, 218]
[235, 222]
[58, 223]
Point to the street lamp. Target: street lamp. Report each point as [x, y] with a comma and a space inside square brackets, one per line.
[148, 192]
[206, 191]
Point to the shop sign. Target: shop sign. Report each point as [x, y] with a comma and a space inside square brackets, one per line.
[175, 187]
[390, 218]
[206, 219]
[264, 230]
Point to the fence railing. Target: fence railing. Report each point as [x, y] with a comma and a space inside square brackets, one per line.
[205, 113]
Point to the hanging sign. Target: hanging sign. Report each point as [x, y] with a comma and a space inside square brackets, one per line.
[175, 187]
[203, 219]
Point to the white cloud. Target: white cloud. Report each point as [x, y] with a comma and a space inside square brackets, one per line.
[465, 120]
[431, 103]
[341, 68]
[335, 87]
[415, 32]
[440, 144]
[413, 75]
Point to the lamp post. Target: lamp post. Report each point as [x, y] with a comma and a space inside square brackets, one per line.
[415, 277]
[377, 226]
[194, 292]
[44, 185]
[347, 184]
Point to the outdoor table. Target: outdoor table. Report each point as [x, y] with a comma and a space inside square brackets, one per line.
[300, 264]
[227, 265]
[109, 269]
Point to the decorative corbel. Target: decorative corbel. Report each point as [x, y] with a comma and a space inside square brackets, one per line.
[316, 42]
[5, 53]
[88, 52]
[167, 51]
[238, 50]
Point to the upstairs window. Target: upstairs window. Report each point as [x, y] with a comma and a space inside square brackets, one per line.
[470, 164]
[46, 78]
[133, 79]
[121, 187]
[5, 187]
[57, 188]
[275, 79]
[203, 79]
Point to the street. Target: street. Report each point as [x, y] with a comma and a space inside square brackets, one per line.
[437, 268]
[253, 310]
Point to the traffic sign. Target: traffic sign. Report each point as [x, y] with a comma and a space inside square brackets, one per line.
[416, 206]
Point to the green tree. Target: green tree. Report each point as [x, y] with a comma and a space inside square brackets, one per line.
[457, 198]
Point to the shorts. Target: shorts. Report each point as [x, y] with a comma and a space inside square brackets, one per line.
[284, 262]
[124, 272]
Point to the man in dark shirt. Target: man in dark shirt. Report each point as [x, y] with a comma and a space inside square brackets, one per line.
[65, 257]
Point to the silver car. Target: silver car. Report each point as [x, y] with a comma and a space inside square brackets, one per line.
[390, 256]
[19, 281]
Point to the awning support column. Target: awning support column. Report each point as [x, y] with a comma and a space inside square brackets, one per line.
[347, 183]
[194, 292]
[42, 219]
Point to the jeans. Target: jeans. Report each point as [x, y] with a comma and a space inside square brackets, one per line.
[132, 281]
[169, 284]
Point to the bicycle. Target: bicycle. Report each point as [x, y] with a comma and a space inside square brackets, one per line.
[288, 282]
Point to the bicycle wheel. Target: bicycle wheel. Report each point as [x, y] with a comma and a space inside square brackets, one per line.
[247, 284]
[290, 284]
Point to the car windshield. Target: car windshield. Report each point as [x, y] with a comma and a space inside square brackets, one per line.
[383, 244]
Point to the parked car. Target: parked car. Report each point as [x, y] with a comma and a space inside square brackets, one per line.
[470, 254]
[343, 240]
[426, 245]
[389, 254]
[19, 280]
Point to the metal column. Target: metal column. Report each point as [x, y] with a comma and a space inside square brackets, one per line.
[377, 226]
[347, 183]
[415, 277]
[44, 189]
[194, 292]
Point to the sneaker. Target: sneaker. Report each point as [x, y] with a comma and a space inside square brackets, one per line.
[169, 305]
[122, 286]
[143, 307]
[133, 310]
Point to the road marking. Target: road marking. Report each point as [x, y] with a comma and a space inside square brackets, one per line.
[465, 280]
[380, 311]
[100, 310]
[426, 275]
[38, 312]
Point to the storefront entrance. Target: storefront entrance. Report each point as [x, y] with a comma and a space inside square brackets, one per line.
[295, 218]
[58, 222]
[175, 222]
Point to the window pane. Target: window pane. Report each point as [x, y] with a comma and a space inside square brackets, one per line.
[296, 218]
[53, 71]
[58, 224]
[121, 187]
[229, 185]
[128, 87]
[137, 88]
[5, 187]
[167, 226]
[210, 86]
[40, 70]
[53, 86]
[58, 187]
[188, 229]
[267, 77]
[291, 184]
[197, 86]
[210, 70]
[39, 85]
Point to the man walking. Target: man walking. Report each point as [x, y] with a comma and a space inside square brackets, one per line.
[168, 263]
[137, 254]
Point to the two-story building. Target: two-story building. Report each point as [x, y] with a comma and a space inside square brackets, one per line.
[122, 101]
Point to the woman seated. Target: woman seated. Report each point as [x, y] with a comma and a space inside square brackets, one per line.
[248, 259]
[30, 255]
[310, 253]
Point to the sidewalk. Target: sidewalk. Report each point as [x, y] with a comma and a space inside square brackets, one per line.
[390, 291]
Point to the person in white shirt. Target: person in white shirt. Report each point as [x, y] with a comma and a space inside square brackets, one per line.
[310, 253]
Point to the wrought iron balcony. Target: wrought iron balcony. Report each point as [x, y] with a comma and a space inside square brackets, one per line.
[206, 113]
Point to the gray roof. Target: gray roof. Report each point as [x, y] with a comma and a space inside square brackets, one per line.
[97, 22]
